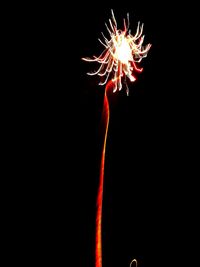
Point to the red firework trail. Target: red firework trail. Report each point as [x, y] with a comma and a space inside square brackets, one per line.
[121, 53]
[105, 120]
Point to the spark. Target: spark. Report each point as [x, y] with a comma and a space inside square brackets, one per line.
[122, 51]
[133, 261]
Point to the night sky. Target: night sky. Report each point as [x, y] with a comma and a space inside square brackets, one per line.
[150, 180]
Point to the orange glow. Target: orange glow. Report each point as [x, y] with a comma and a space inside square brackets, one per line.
[121, 53]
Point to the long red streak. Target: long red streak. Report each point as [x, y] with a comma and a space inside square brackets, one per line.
[105, 117]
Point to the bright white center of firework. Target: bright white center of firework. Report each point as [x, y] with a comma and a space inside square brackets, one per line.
[123, 52]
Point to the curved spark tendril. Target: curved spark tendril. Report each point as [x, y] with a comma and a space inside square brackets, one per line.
[120, 55]
[134, 260]
[118, 59]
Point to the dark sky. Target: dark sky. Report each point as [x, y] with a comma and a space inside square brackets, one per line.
[150, 181]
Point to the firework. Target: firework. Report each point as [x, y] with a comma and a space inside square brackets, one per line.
[122, 52]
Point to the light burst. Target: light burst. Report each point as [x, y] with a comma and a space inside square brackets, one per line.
[122, 51]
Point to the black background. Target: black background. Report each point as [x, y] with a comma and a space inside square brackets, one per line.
[150, 193]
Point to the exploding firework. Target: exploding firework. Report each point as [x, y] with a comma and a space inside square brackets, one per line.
[122, 52]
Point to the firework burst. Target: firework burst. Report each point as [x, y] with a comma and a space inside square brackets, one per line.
[122, 51]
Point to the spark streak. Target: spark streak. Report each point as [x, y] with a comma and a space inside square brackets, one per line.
[105, 119]
[120, 55]
[118, 59]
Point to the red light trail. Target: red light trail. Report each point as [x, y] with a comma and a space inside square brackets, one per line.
[118, 60]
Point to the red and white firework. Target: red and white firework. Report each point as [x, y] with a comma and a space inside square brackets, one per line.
[121, 54]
